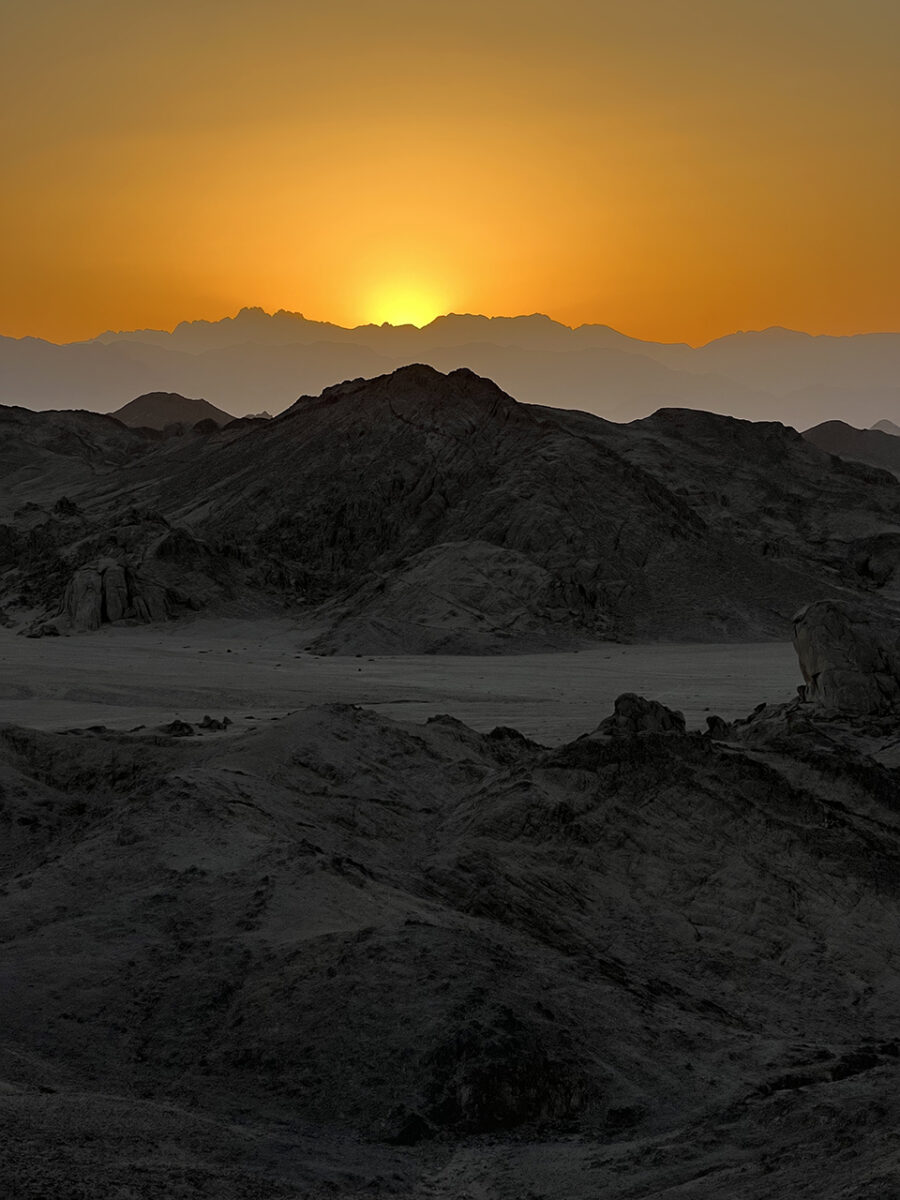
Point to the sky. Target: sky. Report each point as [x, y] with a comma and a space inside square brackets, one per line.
[677, 169]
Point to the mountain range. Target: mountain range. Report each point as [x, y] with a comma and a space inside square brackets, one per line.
[419, 512]
[257, 360]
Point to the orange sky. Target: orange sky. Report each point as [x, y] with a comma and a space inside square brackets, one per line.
[675, 168]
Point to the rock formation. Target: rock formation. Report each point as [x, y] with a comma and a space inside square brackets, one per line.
[850, 663]
[104, 592]
[634, 714]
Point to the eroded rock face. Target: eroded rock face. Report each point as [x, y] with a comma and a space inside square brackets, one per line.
[83, 602]
[107, 591]
[850, 664]
[633, 714]
[115, 591]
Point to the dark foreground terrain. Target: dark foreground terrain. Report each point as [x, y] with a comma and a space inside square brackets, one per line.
[344, 956]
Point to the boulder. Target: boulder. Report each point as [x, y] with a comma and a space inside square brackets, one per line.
[850, 663]
[177, 728]
[634, 714]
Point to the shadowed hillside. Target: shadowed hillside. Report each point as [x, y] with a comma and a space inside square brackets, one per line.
[877, 447]
[434, 512]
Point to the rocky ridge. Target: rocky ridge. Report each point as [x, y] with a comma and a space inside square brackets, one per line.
[423, 512]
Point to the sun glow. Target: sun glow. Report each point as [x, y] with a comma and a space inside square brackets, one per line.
[400, 303]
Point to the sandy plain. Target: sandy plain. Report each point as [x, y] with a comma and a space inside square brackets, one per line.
[252, 671]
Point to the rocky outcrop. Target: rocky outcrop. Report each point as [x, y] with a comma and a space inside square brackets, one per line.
[850, 663]
[115, 591]
[634, 714]
[83, 601]
[151, 571]
[106, 591]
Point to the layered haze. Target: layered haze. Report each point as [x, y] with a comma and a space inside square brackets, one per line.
[259, 361]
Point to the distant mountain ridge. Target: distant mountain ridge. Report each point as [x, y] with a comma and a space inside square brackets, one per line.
[159, 410]
[256, 360]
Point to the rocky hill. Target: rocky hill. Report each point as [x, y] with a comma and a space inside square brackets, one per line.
[44, 454]
[343, 956]
[433, 512]
[162, 410]
[878, 447]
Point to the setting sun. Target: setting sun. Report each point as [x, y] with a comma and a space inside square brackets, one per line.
[399, 303]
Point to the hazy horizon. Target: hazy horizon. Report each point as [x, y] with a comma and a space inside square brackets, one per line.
[677, 170]
[598, 323]
[256, 361]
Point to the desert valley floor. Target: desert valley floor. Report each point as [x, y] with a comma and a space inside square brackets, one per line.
[256, 670]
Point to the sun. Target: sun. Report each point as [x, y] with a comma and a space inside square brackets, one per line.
[402, 303]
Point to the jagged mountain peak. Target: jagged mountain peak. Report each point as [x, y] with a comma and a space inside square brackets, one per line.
[416, 390]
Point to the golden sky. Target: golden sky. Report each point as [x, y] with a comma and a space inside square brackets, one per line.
[675, 168]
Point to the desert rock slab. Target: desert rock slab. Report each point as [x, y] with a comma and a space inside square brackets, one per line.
[850, 663]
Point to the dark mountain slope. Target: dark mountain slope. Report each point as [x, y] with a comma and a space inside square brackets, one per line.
[44, 454]
[767, 487]
[432, 512]
[874, 446]
[374, 472]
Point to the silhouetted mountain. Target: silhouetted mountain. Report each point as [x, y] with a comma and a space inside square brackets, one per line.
[255, 360]
[423, 511]
[158, 410]
[887, 427]
[871, 446]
